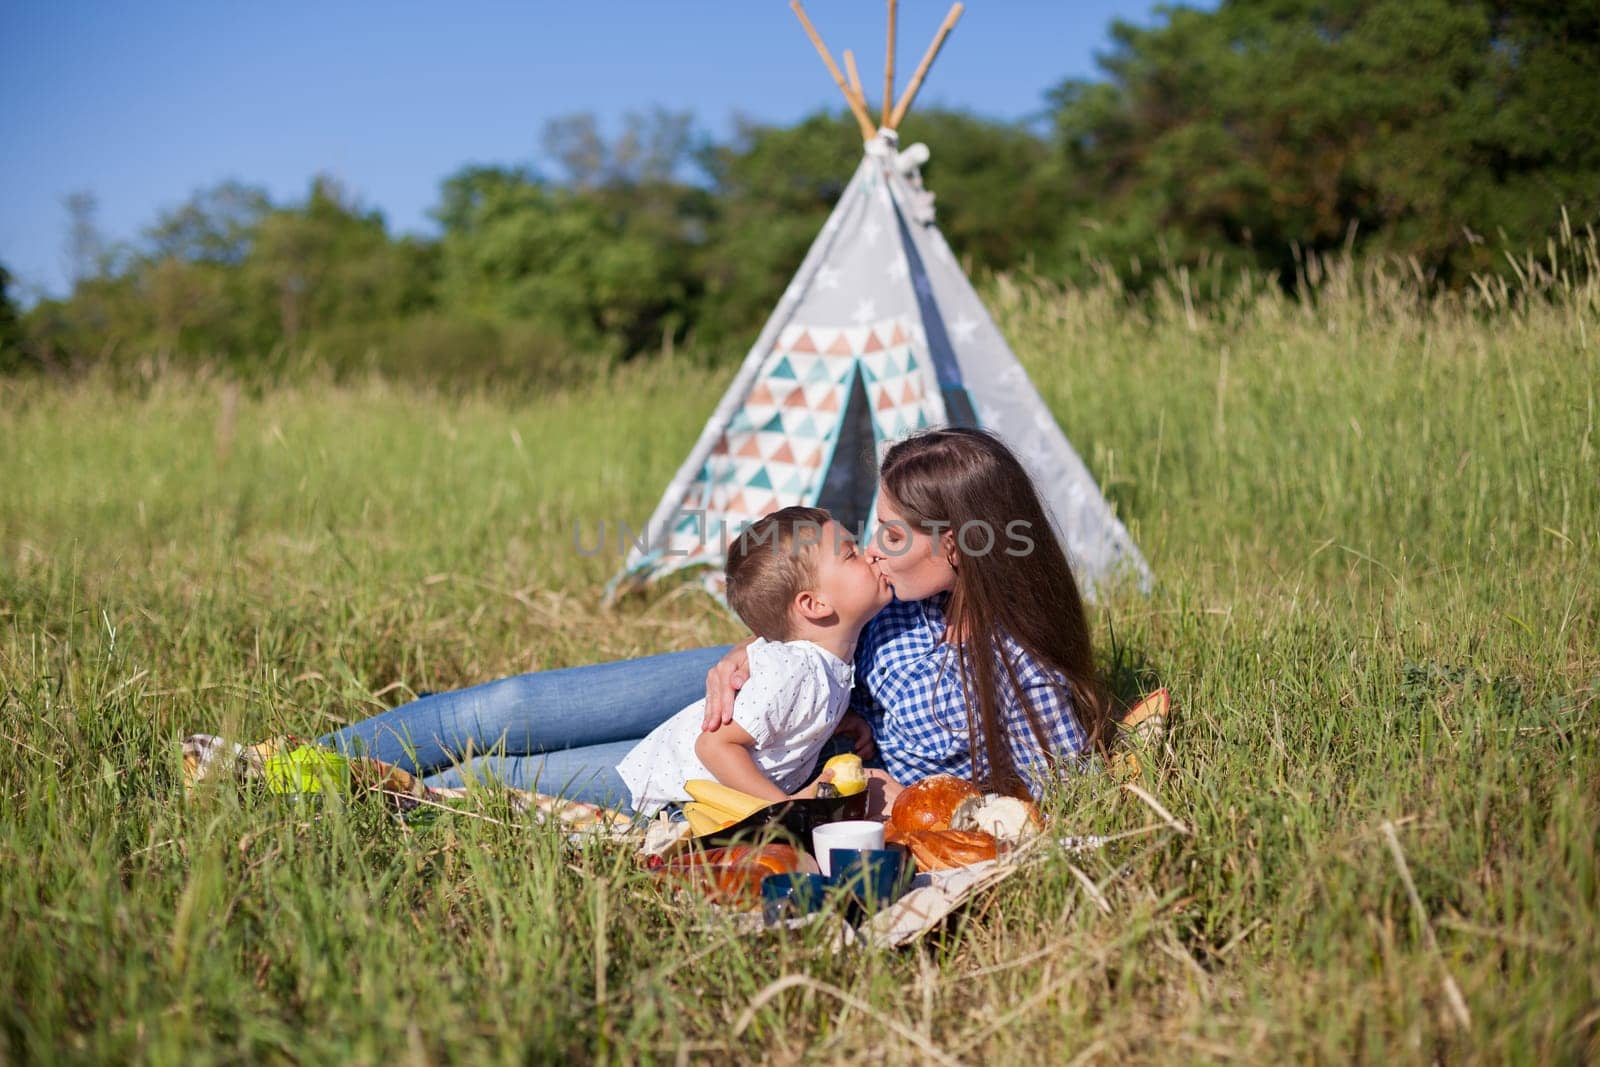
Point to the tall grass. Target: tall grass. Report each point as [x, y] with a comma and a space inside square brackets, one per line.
[1373, 520]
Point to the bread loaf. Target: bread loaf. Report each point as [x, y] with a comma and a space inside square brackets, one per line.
[932, 803]
[937, 850]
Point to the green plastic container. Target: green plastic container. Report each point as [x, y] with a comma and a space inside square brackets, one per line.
[308, 769]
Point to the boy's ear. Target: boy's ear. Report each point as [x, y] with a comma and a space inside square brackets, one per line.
[812, 605]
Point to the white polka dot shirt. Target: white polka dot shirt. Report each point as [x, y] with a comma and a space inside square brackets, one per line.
[797, 693]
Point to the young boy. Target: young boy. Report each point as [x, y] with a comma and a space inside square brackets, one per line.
[799, 582]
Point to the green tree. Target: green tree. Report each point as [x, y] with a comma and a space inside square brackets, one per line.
[1415, 125]
[103, 311]
[603, 259]
[329, 262]
[11, 358]
[215, 225]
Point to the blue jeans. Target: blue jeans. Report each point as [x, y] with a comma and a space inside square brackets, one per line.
[559, 732]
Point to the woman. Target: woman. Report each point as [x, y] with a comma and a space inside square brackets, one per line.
[980, 667]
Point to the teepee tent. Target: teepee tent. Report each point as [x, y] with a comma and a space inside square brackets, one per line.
[879, 335]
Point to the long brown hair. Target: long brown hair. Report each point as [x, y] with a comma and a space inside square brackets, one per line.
[945, 479]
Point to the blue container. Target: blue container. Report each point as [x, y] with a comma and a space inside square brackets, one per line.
[875, 877]
[789, 896]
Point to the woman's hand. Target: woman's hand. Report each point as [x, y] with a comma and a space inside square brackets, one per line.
[723, 682]
[882, 790]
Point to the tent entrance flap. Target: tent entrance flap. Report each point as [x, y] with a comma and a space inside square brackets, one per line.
[851, 483]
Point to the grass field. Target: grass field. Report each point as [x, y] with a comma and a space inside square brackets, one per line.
[1375, 522]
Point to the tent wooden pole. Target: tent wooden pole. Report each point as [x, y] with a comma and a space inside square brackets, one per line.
[855, 77]
[859, 109]
[888, 70]
[910, 94]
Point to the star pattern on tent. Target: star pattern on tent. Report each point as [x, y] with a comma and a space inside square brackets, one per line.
[865, 311]
[827, 277]
[897, 269]
[963, 328]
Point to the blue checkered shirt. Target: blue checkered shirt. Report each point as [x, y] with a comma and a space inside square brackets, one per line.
[908, 686]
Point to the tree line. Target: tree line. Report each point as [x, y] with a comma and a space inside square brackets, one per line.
[1443, 131]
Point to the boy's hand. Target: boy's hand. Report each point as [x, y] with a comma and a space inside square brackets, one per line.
[859, 731]
[723, 683]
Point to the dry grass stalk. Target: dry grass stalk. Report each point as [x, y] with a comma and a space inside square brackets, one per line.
[1452, 992]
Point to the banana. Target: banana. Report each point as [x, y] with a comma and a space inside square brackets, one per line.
[704, 820]
[734, 804]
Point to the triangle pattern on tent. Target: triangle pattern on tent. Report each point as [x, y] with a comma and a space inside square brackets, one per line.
[900, 398]
[771, 455]
[768, 470]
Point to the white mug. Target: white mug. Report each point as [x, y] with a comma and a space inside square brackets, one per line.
[852, 833]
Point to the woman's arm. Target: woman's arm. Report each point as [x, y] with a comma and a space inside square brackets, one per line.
[723, 682]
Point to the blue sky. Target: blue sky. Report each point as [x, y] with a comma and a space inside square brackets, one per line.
[143, 103]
